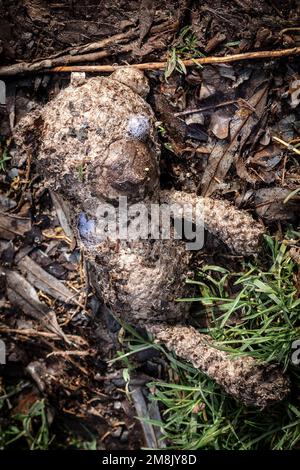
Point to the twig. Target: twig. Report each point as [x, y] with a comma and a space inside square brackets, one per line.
[287, 30]
[25, 67]
[86, 52]
[286, 144]
[116, 38]
[69, 353]
[205, 108]
[31, 332]
[187, 63]
[93, 46]
[291, 195]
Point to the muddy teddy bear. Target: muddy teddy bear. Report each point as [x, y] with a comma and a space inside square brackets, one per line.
[95, 143]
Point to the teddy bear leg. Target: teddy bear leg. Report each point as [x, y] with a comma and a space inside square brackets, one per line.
[251, 383]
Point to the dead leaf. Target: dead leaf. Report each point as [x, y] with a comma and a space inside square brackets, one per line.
[12, 225]
[219, 124]
[142, 411]
[22, 294]
[195, 118]
[267, 158]
[44, 281]
[6, 203]
[269, 204]
[227, 71]
[196, 132]
[206, 91]
[222, 156]
[286, 127]
[63, 214]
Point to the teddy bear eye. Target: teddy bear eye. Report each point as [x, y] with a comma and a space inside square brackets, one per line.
[138, 127]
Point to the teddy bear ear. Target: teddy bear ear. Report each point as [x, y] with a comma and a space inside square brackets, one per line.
[133, 78]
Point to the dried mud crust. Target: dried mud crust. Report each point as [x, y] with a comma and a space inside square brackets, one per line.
[107, 130]
[236, 228]
[100, 128]
[141, 281]
[110, 127]
[26, 37]
[251, 383]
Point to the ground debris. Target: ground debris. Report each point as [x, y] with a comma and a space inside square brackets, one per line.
[58, 334]
[272, 206]
[42, 280]
[223, 154]
[12, 226]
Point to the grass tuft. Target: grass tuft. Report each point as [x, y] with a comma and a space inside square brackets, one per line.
[256, 311]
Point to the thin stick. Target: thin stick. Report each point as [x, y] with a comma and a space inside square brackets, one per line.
[206, 108]
[286, 144]
[287, 30]
[187, 63]
[31, 332]
[46, 65]
[69, 353]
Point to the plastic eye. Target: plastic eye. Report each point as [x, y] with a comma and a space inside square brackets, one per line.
[138, 127]
[86, 228]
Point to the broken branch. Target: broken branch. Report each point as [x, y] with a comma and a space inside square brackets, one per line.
[286, 144]
[187, 63]
[84, 53]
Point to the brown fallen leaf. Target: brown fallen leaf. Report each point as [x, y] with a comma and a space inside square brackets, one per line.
[22, 294]
[44, 281]
[63, 215]
[219, 124]
[269, 204]
[12, 225]
[222, 156]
